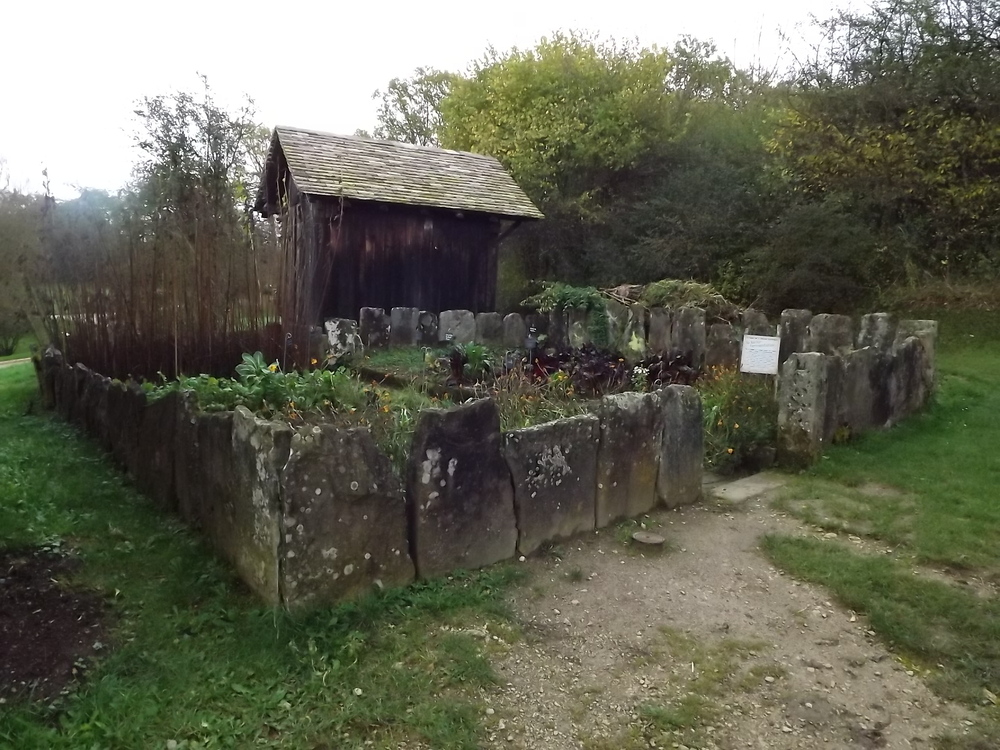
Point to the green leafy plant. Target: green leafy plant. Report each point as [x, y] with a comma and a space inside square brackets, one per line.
[686, 293]
[559, 297]
[332, 396]
[741, 415]
[478, 361]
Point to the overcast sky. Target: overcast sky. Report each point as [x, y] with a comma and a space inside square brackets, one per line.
[74, 69]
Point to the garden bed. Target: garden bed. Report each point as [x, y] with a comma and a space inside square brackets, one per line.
[48, 630]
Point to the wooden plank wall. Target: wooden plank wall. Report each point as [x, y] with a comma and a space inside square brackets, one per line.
[398, 256]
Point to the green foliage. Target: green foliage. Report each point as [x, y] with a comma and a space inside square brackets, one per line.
[335, 396]
[740, 417]
[410, 107]
[900, 116]
[590, 130]
[819, 256]
[560, 297]
[571, 103]
[21, 219]
[674, 293]
[478, 361]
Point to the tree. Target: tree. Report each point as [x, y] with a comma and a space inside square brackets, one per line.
[20, 220]
[596, 133]
[167, 276]
[899, 118]
[410, 107]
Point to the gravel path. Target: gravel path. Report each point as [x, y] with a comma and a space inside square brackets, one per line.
[612, 636]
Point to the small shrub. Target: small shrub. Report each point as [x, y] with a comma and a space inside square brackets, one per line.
[558, 296]
[741, 415]
[13, 326]
[675, 293]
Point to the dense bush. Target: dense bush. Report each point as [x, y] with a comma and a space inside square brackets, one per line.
[741, 416]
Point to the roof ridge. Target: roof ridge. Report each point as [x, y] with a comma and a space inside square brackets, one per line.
[385, 141]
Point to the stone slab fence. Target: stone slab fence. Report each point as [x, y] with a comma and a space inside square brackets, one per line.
[839, 378]
[315, 515]
[635, 331]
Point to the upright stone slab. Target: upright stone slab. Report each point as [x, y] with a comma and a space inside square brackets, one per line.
[834, 415]
[404, 324]
[514, 331]
[374, 325]
[554, 468]
[927, 332]
[457, 327]
[125, 407]
[755, 323]
[629, 455]
[343, 518]
[459, 490]
[830, 334]
[688, 335]
[81, 411]
[802, 395]
[100, 420]
[682, 450]
[489, 328]
[577, 328]
[189, 481]
[856, 408]
[877, 330]
[342, 337]
[722, 347]
[618, 320]
[154, 465]
[69, 389]
[78, 411]
[51, 364]
[94, 408]
[248, 525]
[635, 333]
[558, 335]
[907, 380]
[210, 508]
[427, 329]
[793, 328]
[661, 322]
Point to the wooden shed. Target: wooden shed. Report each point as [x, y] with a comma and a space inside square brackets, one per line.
[368, 223]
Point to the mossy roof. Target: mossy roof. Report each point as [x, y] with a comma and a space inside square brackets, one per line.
[386, 171]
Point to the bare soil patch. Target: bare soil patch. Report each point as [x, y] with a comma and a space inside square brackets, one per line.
[48, 630]
[704, 645]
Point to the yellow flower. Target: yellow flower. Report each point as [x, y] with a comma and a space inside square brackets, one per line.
[729, 450]
[736, 425]
[719, 424]
[313, 361]
[273, 368]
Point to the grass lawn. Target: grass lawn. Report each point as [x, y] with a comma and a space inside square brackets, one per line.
[22, 350]
[928, 491]
[194, 661]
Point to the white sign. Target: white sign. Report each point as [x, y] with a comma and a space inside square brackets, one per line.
[760, 354]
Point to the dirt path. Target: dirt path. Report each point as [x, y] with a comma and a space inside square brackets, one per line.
[705, 643]
[10, 362]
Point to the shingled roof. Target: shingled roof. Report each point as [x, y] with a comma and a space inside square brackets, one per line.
[389, 172]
